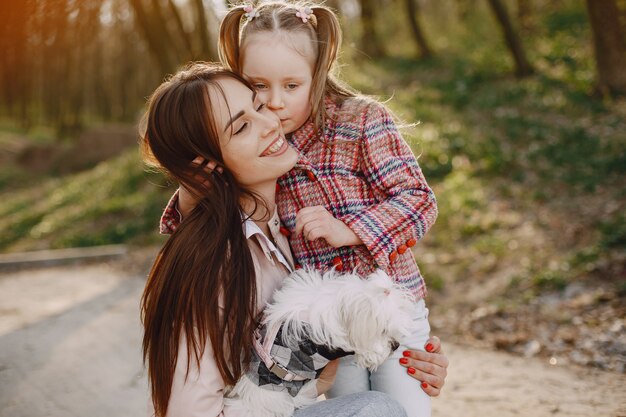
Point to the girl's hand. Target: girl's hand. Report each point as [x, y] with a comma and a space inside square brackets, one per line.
[327, 377]
[186, 199]
[430, 367]
[316, 222]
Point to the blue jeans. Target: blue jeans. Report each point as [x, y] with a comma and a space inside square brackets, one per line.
[390, 378]
[361, 404]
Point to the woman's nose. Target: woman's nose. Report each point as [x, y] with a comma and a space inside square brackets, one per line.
[272, 124]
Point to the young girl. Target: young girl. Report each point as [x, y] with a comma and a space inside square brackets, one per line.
[356, 198]
[201, 303]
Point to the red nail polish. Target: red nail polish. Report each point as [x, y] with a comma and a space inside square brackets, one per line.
[406, 353]
[424, 385]
[404, 360]
[411, 371]
[429, 347]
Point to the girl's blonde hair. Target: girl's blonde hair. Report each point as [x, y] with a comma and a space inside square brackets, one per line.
[322, 28]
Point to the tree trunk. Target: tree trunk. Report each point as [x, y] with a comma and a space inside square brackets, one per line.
[213, 31]
[462, 8]
[370, 41]
[412, 11]
[609, 46]
[621, 5]
[55, 63]
[513, 43]
[172, 44]
[208, 51]
[524, 14]
[181, 29]
[152, 37]
[14, 69]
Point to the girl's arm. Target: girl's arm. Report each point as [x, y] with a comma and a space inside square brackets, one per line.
[183, 202]
[407, 207]
[180, 205]
[171, 217]
[327, 377]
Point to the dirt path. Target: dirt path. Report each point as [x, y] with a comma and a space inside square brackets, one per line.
[484, 383]
[70, 346]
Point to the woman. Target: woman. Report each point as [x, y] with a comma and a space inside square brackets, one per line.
[213, 276]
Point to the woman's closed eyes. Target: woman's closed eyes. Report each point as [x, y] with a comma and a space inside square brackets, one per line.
[245, 124]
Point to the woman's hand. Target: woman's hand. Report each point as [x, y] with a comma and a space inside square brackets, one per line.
[430, 367]
[316, 222]
[187, 201]
[327, 377]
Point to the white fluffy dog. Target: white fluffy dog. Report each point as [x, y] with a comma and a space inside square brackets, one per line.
[313, 319]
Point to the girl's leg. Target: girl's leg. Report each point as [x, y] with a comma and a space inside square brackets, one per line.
[363, 404]
[350, 379]
[392, 379]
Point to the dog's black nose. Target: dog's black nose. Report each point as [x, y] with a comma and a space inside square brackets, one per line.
[394, 345]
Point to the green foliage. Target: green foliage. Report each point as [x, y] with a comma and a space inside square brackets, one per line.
[435, 282]
[534, 143]
[114, 202]
[496, 150]
[566, 20]
[550, 280]
[585, 258]
[614, 232]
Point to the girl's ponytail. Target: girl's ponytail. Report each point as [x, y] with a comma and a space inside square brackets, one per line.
[329, 36]
[328, 31]
[230, 34]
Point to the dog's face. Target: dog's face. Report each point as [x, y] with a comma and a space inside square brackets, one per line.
[376, 320]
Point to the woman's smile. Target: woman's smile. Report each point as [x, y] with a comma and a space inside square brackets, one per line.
[277, 147]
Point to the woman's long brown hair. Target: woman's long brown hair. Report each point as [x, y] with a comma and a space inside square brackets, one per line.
[206, 262]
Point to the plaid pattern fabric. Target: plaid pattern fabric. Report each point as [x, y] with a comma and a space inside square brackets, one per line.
[170, 219]
[307, 360]
[366, 175]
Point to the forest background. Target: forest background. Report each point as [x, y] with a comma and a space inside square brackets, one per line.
[521, 132]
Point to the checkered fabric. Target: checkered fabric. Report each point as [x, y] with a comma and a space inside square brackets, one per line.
[306, 361]
[365, 174]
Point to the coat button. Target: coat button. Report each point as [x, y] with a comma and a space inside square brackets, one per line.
[402, 249]
[311, 175]
[284, 231]
[411, 242]
[337, 263]
[392, 256]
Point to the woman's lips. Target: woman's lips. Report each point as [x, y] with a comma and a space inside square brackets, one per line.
[278, 144]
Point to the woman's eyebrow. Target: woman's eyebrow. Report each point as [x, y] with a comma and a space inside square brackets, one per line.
[239, 114]
[232, 119]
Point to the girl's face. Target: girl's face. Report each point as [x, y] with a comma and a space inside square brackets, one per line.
[251, 140]
[280, 66]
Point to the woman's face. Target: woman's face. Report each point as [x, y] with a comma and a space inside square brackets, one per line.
[253, 145]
